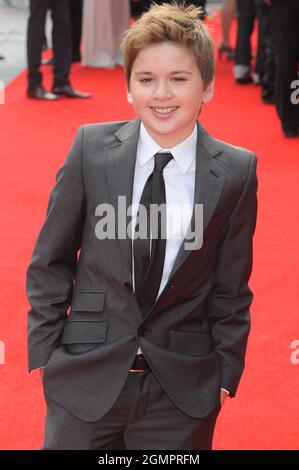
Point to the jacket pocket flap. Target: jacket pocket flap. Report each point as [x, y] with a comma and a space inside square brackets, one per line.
[84, 332]
[88, 301]
[190, 342]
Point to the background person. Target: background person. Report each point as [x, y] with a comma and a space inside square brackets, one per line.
[104, 21]
[61, 38]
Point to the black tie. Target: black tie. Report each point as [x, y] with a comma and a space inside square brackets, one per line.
[148, 267]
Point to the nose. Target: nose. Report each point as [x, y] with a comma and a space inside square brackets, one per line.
[162, 90]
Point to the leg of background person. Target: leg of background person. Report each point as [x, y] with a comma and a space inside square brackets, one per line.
[35, 38]
[261, 12]
[139, 6]
[246, 16]
[199, 3]
[227, 14]
[61, 41]
[76, 8]
[268, 81]
[285, 20]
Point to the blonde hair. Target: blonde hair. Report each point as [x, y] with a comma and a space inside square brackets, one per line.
[177, 23]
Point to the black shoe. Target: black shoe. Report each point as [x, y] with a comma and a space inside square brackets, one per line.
[39, 93]
[244, 81]
[290, 132]
[67, 90]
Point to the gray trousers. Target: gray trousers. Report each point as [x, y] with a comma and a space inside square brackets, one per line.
[142, 418]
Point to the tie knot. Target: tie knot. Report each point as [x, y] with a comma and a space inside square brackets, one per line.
[161, 160]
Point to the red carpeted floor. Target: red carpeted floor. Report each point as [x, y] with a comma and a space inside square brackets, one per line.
[35, 137]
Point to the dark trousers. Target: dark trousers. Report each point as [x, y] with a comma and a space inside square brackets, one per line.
[199, 3]
[265, 64]
[142, 418]
[246, 16]
[76, 7]
[285, 23]
[61, 37]
[138, 7]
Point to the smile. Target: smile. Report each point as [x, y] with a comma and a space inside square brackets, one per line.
[165, 111]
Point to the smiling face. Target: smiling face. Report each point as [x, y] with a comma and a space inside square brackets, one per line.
[166, 90]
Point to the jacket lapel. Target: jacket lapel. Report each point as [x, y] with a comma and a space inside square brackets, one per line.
[120, 167]
[209, 179]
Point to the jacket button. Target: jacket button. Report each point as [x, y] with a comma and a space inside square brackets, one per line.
[128, 286]
[143, 330]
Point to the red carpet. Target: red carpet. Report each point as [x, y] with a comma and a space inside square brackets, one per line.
[34, 140]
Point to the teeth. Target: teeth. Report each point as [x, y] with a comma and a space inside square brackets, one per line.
[164, 110]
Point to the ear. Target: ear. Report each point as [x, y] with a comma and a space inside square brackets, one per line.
[209, 92]
[129, 97]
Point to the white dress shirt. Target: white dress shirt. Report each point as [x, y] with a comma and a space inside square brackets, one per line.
[179, 177]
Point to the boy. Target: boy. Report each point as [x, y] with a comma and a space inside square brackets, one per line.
[157, 332]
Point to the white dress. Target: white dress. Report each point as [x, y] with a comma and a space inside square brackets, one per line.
[103, 23]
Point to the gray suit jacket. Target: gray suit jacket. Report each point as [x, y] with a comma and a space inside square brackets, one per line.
[194, 337]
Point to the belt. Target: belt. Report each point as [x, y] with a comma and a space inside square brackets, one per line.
[139, 364]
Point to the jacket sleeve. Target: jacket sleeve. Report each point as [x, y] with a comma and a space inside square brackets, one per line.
[231, 296]
[52, 270]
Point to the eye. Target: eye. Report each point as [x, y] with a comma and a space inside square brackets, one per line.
[179, 79]
[145, 80]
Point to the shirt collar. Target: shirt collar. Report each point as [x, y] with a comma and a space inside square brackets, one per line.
[183, 153]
